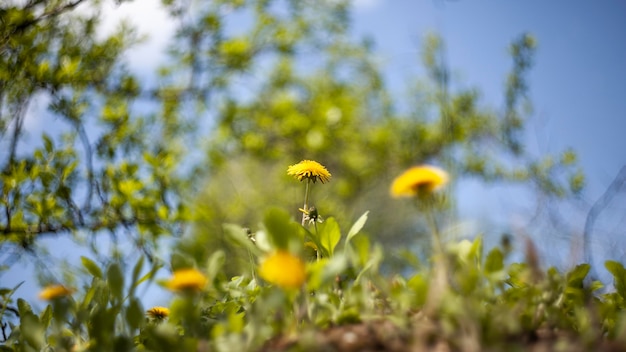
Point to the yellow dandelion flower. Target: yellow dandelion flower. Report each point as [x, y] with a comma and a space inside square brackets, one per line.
[158, 313]
[417, 180]
[187, 280]
[309, 169]
[51, 292]
[283, 269]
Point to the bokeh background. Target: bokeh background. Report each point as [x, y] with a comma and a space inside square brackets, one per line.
[576, 88]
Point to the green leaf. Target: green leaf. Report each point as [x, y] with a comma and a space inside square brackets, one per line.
[46, 316]
[475, 252]
[239, 235]
[280, 227]
[596, 285]
[215, 264]
[615, 268]
[115, 278]
[236, 322]
[18, 286]
[325, 271]
[329, 235]
[362, 248]
[47, 141]
[494, 261]
[67, 171]
[134, 314]
[137, 269]
[419, 285]
[92, 267]
[23, 307]
[619, 276]
[32, 330]
[576, 276]
[90, 294]
[356, 227]
[10, 291]
[149, 275]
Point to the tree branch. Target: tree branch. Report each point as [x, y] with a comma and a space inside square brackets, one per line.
[598, 207]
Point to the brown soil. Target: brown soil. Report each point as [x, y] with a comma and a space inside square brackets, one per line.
[383, 335]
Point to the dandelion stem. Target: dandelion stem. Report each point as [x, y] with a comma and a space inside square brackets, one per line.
[317, 251]
[439, 276]
[432, 222]
[252, 265]
[306, 201]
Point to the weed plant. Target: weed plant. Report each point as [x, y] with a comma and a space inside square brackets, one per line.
[314, 286]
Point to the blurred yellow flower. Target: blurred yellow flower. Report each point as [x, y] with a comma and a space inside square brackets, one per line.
[309, 169]
[283, 269]
[158, 313]
[187, 280]
[51, 292]
[417, 180]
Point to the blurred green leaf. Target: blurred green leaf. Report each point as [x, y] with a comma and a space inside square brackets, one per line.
[46, 317]
[180, 261]
[419, 285]
[32, 330]
[240, 236]
[476, 250]
[325, 271]
[89, 295]
[576, 276]
[619, 276]
[115, 279]
[150, 274]
[23, 307]
[92, 267]
[215, 264]
[137, 270]
[494, 261]
[49, 146]
[280, 227]
[134, 314]
[236, 322]
[329, 235]
[357, 226]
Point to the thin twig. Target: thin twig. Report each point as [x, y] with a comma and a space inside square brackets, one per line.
[598, 207]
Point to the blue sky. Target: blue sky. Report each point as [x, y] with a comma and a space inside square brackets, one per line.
[576, 85]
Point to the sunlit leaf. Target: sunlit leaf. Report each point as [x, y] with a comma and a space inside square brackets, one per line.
[92, 267]
[32, 330]
[576, 276]
[23, 307]
[329, 235]
[419, 285]
[46, 316]
[357, 226]
[215, 264]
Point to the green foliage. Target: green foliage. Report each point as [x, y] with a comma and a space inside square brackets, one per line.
[483, 299]
[339, 110]
[101, 168]
[126, 159]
